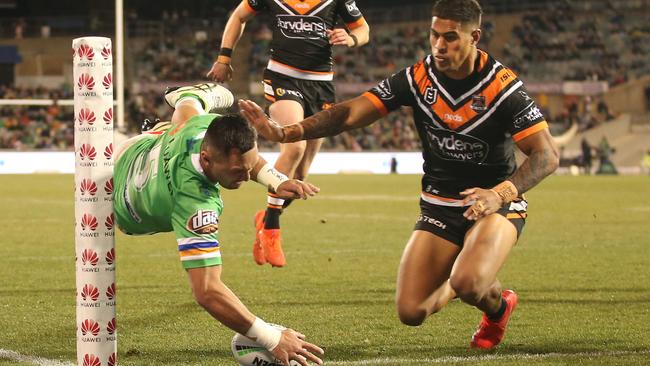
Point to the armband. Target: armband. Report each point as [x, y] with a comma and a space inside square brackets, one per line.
[506, 190]
[270, 177]
[264, 334]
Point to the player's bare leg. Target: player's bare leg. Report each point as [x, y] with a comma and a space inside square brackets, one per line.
[312, 148]
[474, 276]
[422, 281]
[268, 242]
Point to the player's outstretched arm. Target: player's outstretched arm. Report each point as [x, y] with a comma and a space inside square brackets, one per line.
[218, 300]
[354, 113]
[222, 70]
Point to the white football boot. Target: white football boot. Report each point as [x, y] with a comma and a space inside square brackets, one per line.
[213, 96]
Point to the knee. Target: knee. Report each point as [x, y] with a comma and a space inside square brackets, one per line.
[411, 314]
[467, 287]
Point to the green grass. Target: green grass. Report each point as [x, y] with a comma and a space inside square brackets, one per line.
[582, 269]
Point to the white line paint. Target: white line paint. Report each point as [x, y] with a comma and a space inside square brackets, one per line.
[15, 356]
[491, 357]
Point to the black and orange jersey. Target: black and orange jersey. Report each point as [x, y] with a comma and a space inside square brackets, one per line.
[468, 127]
[300, 47]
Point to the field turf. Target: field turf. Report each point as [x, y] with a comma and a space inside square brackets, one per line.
[581, 268]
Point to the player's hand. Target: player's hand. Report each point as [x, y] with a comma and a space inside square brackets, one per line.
[293, 346]
[339, 37]
[294, 188]
[265, 126]
[483, 202]
[220, 72]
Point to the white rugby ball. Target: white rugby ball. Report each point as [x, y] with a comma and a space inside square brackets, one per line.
[250, 353]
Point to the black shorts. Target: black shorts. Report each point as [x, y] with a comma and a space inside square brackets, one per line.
[450, 224]
[314, 96]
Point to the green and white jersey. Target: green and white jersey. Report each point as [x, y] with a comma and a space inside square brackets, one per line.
[160, 187]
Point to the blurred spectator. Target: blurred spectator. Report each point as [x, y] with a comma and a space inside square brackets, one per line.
[645, 163]
[586, 156]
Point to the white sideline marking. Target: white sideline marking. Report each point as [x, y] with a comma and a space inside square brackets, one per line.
[493, 357]
[369, 197]
[15, 356]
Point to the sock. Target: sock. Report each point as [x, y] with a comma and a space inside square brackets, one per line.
[273, 211]
[287, 203]
[499, 313]
[191, 99]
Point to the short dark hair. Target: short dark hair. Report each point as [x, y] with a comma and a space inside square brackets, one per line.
[463, 11]
[230, 131]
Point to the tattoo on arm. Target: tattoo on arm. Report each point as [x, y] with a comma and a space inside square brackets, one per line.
[538, 165]
[329, 122]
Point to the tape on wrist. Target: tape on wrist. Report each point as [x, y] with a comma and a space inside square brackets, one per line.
[264, 334]
[270, 177]
[223, 60]
[354, 38]
[225, 51]
[506, 190]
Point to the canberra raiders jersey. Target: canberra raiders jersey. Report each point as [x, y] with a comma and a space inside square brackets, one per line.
[160, 187]
[300, 47]
[468, 127]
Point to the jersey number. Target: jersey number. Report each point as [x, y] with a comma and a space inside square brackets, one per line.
[146, 167]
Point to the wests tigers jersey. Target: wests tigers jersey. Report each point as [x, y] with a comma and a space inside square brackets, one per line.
[300, 47]
[468, 127]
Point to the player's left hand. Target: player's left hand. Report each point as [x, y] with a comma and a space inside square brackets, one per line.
[339, 37]
[265, 126]
[483, 202]
[294, 188]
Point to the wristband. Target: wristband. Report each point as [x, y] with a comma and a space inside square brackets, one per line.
[354, 38]
[223, 60]
[264, 334]
[225, 51]
[506, 190]
[270, 177]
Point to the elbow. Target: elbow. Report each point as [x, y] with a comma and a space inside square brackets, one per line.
[205, 296]
[554, 161]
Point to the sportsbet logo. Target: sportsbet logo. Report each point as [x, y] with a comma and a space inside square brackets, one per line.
[302, 27]
[203, 222]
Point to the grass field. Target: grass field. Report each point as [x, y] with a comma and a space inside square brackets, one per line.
[581, 268]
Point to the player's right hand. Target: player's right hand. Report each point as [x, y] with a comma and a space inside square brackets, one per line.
[265, 126]
[220, 72]
[294, 188]
[293, 346]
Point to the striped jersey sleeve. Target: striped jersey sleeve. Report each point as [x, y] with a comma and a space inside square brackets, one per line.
[391, 93]
[195, 219]
[522, 115]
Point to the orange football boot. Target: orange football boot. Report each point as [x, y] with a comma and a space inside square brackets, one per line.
[258, 249]
[489, 332]
[272, 244]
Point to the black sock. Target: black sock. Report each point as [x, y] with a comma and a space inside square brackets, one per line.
[273, 212]
[499, 313]
[286, 203]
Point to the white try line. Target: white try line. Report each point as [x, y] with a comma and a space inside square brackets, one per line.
[15, 356]
[491, 357]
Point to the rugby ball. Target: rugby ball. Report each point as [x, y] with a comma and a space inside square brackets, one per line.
[250, 353]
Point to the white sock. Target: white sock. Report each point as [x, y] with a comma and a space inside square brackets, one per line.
[191, 101]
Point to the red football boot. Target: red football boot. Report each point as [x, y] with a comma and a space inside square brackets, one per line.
[258, 249]
[490, 333]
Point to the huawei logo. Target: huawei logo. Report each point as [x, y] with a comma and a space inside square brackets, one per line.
[108, 81]
[89, 292]
[108, 186]
[85, 80]
[111, 326]
[112, 361]
[87, 186]
[108, 115]
[91, 360]
[89, 222]
[109, 222]
[86, 51]
[110, 292]
[89, 256]
[106, 52]
[87, 152]
[108, 151]
[89, 326]
[86, 115]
